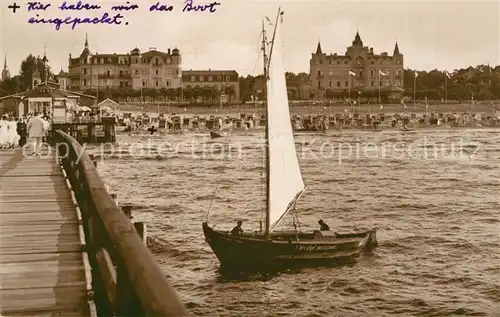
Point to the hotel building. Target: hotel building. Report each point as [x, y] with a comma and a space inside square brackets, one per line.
[359, 70]
[136, 70]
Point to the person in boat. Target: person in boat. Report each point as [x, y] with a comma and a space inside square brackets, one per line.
[323, 226]
[237, 230]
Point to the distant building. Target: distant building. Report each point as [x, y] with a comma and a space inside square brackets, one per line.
[152, 69]
[5, 70]
[371, 71]
[224, 83]
[47, 98]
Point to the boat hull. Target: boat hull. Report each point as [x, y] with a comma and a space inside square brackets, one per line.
[284, 249]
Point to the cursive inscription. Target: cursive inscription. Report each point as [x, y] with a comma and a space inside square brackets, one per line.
[104, 19]
[126, 7]
[211, 7]
[34, 6]
[314, 248]
[161, 7]
[78, 6]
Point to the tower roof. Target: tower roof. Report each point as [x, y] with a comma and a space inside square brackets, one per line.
[357, 40]
[5, 71]
[396, 49]
[318, 49]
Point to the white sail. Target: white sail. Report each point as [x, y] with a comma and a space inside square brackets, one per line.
[286, 182]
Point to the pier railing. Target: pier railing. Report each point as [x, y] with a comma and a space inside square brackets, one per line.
[126, 279]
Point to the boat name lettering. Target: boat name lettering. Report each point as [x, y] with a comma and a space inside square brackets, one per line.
[315, 247]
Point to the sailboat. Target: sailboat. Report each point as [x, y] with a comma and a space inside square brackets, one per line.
[285, 185]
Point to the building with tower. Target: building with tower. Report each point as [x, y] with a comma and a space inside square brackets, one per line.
[359, 72]
[136, 70]
[5, 70]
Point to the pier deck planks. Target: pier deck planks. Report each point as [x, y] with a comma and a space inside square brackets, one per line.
[41, 265]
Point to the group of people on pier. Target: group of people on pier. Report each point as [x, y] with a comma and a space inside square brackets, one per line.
[15, 132]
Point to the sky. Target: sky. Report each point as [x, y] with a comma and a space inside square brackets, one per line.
[431, 34]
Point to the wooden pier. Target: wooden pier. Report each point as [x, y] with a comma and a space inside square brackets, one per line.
[66, 248]
[43, 271]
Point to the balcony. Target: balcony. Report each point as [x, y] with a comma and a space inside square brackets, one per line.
[320, 76]
[124, 76]
[106, 76]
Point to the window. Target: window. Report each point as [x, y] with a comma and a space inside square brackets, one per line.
[85, 82]
[321, 62]
[380, 84]
[121, 73]
[398, 62]
[330, 62]
[177, 71]
[398, 83]
[157, 83]
[219, 78]
[319, 72]
[330, 73]
[108, 73]
[330, 84]
[202, 79]
[338, 62]
[228, 78]
[144, 83]
[157, 72]
[136, 71]
[336, 71]
[372, 62]
[102, 60]
[338, 84]
[347, 83]
[319, 84]
[372, 73]
[168, 83]
[156, 61]
[121, 84]
[84, 71]
[193, 78]
[361, 74]
[372, 83]
[346, 61]
[210, 78]
[126, 83]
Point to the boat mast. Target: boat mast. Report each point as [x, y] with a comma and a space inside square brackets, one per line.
[266, 138]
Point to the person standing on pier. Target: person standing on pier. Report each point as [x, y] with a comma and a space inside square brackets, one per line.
[22, 130]
[36, 132]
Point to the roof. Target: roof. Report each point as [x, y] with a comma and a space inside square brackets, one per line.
[209, 72]
[108, 102]
[18, 95]
[45, 92]
[81, 95]
[62, 73]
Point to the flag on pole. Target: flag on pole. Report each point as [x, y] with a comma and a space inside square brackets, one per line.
[381, 73]
[447, 74]
[352, 73]
[269, 21]
[416, 74]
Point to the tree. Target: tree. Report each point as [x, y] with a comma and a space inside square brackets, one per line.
[28, 67]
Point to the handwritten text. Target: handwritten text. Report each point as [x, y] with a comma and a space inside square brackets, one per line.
[211, 7]
[161, 7]
[126, 7]
[79, 6]
[33, 6]
[104, 19]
